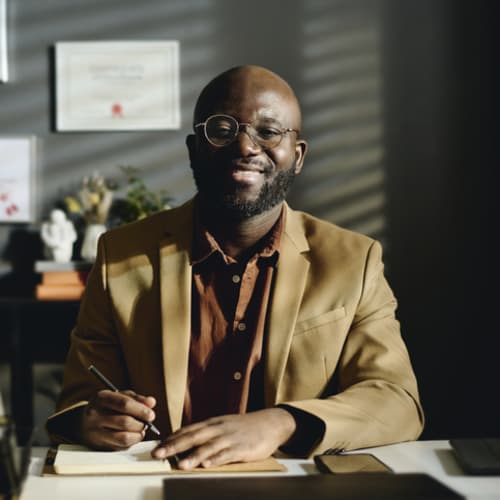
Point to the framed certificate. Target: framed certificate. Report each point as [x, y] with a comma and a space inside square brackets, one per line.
[17, 167]
[3, 41]
[117, 85]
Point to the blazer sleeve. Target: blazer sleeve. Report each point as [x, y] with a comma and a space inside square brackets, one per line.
[377, 401]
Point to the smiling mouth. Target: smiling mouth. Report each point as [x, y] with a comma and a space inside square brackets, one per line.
[247, 171]
[251, 167]
[247, 175]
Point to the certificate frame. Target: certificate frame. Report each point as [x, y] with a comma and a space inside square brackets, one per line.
[17, 179]
[4, 72]
[117, 85]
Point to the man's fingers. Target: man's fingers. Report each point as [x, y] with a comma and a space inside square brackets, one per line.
[149, 401]
[207, 454]
[120, 402]
[115, 420]
[186, 440]
[212, 427]
[121, 423]
[229, 438]
[188, 429]
[107, 439]
[224, 456]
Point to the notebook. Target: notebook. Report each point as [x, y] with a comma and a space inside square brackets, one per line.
[370, 485]
[478, 456]
[71, 459]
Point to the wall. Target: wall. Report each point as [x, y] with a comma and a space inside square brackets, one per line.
[386, 90]
[297, 42]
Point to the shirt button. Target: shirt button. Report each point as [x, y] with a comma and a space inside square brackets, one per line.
[236, 278]
[242, 327]
[237, 375]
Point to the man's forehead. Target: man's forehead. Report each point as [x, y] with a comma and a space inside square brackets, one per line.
[261, 105]
[252, 92]
[257, 106]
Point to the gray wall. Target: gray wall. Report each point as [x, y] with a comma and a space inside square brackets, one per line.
[328, 50]
[399, 104]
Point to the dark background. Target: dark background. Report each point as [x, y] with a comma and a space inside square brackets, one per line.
[442, 144]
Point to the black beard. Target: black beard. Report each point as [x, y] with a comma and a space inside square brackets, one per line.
[213, 198]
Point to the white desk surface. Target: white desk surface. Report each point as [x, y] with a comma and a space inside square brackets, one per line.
[432, 457]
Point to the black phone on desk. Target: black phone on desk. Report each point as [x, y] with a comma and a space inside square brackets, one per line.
[350, 463]
[478, 456]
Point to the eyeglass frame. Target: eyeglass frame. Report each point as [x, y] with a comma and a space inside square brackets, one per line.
[282, 131]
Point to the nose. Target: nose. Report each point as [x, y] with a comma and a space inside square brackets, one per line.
[245, 142]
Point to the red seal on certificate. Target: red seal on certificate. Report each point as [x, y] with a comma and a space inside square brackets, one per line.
[11, 209]
[116, 110]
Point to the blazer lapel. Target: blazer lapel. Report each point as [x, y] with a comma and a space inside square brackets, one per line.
[175, 292]
[285, 302]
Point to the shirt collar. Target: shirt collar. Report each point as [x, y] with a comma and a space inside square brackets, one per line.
[205, 245]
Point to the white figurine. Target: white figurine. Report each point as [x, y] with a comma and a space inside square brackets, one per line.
[58, 235]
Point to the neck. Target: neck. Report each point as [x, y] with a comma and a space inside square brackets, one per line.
[237, 236]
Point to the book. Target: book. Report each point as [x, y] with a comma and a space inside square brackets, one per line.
[42, 266]
[59, 292]
[72, 459]
[64, 277]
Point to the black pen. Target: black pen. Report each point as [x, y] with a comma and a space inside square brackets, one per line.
[112, 387]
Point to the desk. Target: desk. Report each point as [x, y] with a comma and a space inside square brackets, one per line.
[432, 457]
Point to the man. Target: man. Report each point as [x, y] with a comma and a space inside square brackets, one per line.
[243, 327]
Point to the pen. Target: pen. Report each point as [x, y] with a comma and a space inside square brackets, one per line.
[112, 387]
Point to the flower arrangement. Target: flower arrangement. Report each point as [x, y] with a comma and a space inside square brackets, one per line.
[96, 202]
[139, 201]
[92, 201]
[94, 208]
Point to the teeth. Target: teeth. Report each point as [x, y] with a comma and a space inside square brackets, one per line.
[238, 169]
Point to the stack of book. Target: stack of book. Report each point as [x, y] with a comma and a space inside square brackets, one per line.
[61, 280]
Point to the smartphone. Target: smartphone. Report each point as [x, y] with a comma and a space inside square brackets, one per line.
[350, 463]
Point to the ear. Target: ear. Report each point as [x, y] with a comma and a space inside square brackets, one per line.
[191, 146]
[300, 153]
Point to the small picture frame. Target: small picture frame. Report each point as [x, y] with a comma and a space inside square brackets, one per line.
[4, 73]
[117, 86]
[17, 170]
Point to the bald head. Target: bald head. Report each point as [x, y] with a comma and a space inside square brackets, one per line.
[241, 84]
[245, 161]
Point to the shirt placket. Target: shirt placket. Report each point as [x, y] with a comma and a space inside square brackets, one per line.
[242, 332]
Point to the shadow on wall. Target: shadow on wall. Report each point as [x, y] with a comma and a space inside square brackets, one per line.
[23, 249]
[340, 92]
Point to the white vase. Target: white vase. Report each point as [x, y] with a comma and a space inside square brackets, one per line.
[90, 238]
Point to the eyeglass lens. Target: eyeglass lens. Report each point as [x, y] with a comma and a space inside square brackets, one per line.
[221, 130]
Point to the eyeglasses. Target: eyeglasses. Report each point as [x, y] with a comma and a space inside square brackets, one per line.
[222, 130]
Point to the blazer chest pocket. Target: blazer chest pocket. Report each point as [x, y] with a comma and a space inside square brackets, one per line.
[314, 353]
[318, 321]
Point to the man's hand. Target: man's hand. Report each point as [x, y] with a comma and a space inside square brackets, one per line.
[112, 420]
[229, 438]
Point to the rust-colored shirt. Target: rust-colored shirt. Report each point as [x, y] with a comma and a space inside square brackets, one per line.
[229, 308]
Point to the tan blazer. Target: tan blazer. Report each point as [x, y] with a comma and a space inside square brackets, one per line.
[331, 311]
